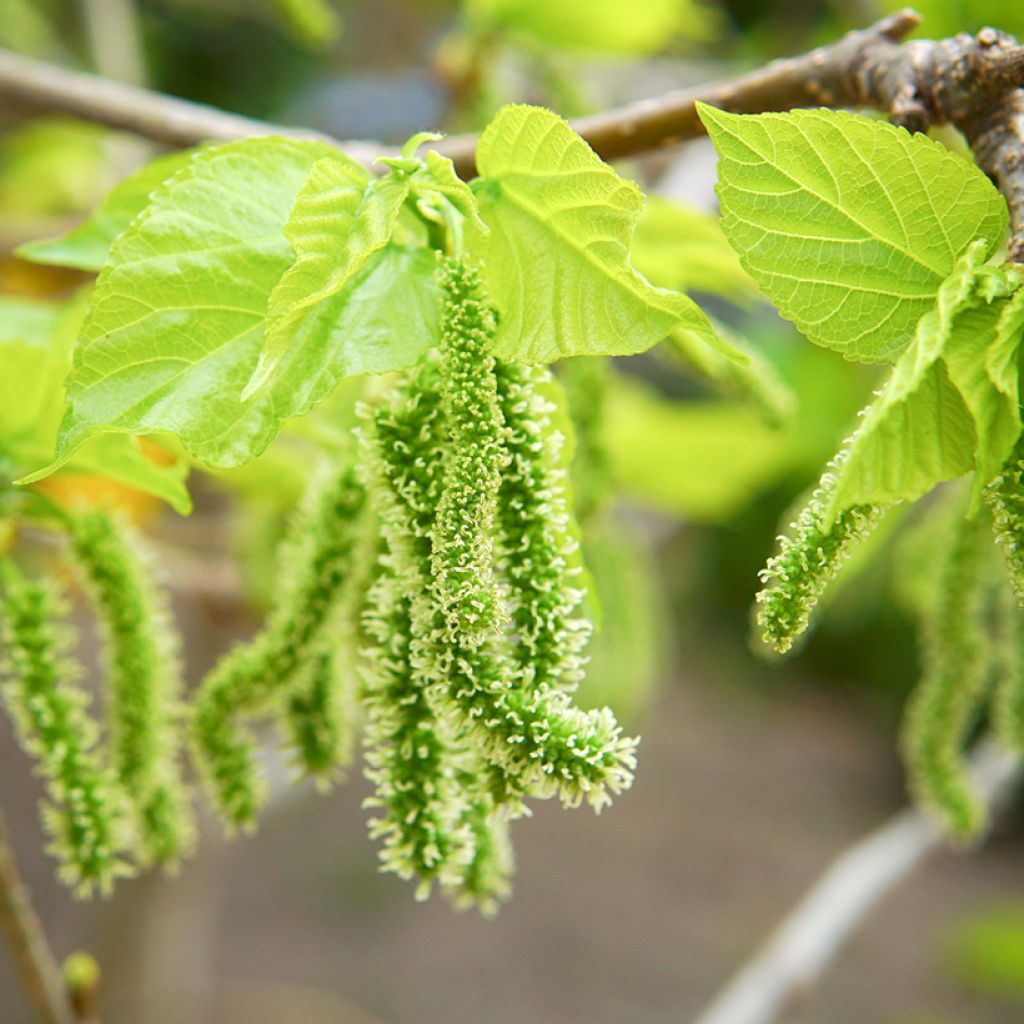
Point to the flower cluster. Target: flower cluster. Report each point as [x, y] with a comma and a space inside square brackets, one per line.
[85, 812]
[144, 680]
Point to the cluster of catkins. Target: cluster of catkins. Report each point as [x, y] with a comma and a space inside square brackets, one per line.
[968, 604]
[430, 594]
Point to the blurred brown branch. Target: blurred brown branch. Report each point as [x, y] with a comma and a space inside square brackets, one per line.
[36, 968]
[971, 82]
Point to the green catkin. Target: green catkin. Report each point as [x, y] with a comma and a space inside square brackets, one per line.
[537, 740]
[586, 380]
[953, 670]
[540, 554]
[410, 755]
[1008, 697]
[319, 556]
[1005, 499]
[808, 559]
[144, 678]
[84, 813]
[319, 712]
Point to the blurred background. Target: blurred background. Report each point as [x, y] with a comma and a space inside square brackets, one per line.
[754, 772]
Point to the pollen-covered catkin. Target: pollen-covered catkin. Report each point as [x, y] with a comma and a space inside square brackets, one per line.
[539, 742]
[809, 558]
[85, 812]
[1005, 499]
[410, 754]
[953, 668]
[144, 678]
[318, 559]
[540, 558]
[1008, 696]
[586, 381]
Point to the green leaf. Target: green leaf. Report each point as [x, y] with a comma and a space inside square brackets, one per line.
[86, 247]
[557, 256]
[339, 222]
[849, 225]
[615, 26]
[941, 414]
[682, 247]
[177, 319]
[313, 22]
[35, 344]
[704, 460]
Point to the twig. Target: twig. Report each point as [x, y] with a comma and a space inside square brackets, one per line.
[971, 82]
[37, 970]
[784, 971]
[38, 86]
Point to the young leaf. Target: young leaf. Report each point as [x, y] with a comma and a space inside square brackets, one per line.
[177, 319]
[86, 247]
[339, 222]
[941, 413]
[849, 225]
[557, 257]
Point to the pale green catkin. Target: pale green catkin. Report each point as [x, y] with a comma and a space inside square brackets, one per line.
[586, 380]
[810, 557]
[1008, 697]
[319, 557]
[144, 679]
[1005, 499]
[539, 742]
[85, 812]
[953, 668]
[539, 551]
[425, 808]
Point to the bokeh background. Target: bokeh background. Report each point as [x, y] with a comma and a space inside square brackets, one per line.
[753, 773]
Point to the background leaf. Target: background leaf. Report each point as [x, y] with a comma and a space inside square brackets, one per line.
[86, 247]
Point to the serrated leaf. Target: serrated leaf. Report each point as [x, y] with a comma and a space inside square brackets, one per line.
[941, 414]
[176, 322]
[339, 221]
[557, 256]
[849, 225]
[86, 247]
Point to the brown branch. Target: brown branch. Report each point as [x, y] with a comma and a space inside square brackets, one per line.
[37, 970]
[40, 87]
[971, 82]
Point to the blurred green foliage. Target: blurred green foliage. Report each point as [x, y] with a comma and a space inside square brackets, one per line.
[985, 952]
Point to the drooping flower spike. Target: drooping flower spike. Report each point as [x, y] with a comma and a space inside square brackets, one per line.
[249, 679]
[85, 812]
[144, 682]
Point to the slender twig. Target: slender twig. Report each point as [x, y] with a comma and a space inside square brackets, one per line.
[37, 969]
[649, 124]
[38, 86]
[785, 970]
[971, 82]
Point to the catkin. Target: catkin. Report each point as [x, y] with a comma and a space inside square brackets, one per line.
[953, 669]
[539, 742]
[809, 558]
[144, 679]
[318, 560]
[85, 812]
[410, 755]
[1005, 498]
